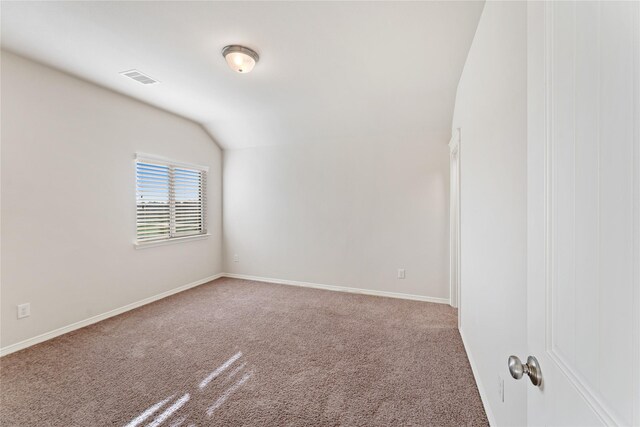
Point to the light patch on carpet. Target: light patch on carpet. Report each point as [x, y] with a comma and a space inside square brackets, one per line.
[170, 410]
[228, 393]
[235, 372]
[213, 375]
[146, 414]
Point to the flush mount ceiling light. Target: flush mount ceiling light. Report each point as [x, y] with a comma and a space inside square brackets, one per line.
[241, 59]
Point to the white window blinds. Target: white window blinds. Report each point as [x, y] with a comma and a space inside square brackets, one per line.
[170, 200]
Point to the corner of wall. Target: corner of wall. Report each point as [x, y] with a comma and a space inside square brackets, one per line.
[210, 135]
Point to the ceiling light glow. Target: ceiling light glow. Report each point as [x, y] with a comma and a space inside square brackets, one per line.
[239, 58]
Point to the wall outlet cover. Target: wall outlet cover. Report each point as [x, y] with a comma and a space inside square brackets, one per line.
[401, 274]
[24, 310]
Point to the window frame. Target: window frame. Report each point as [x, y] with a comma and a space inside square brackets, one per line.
[162, 161]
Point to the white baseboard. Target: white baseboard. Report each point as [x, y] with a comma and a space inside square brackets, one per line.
[81, 324]
[481, 389]
[339, 288]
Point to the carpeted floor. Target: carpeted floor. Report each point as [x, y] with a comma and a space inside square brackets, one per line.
[235, 352]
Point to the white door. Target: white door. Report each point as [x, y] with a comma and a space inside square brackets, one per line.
[583, 296]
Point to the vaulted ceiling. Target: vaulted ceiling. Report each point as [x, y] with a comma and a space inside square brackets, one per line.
[327, 70]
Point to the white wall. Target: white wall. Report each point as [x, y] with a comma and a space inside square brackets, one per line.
[344, 213]
[491, 112]
[68, 200]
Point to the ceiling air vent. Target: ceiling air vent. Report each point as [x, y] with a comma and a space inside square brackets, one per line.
[139, 77]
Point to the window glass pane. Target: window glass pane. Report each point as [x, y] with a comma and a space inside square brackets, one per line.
[152, 201]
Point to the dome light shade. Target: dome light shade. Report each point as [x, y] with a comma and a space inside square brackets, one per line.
[239, 58]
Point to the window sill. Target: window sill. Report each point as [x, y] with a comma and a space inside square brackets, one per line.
[144, 245]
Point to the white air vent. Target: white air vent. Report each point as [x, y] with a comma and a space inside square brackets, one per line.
[139, 77]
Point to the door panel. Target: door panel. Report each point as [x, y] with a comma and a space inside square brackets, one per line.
[583, 290]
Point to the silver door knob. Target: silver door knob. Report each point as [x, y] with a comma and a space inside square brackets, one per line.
[532, 368]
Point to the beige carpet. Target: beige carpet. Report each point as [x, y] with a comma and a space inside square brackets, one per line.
[236, 352]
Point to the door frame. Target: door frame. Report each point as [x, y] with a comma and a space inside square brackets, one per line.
[454, 221]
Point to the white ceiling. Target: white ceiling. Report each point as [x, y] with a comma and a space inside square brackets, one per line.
[327, 70]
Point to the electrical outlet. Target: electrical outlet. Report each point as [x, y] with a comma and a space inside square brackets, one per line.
[401, 273]
[24, 310]
[500, 388]
[235, 258]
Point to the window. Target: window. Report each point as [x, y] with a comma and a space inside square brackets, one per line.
[170, 200]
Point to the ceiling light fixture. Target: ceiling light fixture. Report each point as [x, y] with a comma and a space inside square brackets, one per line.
[241, 59]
